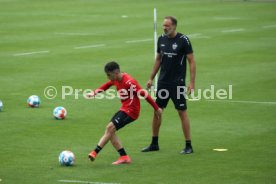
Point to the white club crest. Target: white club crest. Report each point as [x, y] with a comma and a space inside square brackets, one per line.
[174, 46]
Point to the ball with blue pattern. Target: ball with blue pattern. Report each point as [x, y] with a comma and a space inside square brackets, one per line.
[33, 101]
[1, 106]
[66, 158]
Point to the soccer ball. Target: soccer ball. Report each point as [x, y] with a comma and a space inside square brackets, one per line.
[60, 112]
[66, 158]
[33, 101]
[1, 105]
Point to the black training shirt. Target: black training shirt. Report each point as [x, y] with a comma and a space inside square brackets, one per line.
[173, 52]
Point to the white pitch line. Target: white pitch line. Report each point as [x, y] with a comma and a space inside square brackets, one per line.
[203, 37]
[87, 182]
[227, 18]
[197, 35]
[89, 46]
[78, 34]
[233, 30]
[269, 26]
[136, 41]
[30, 53]
[194, 35]
[243, 101]
[193, 99]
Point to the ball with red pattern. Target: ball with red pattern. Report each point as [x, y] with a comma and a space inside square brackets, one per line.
[60, 112]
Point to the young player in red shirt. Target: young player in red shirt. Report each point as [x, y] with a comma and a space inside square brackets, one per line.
[128, 89]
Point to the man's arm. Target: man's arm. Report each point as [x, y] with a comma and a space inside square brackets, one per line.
[157, 110]
[154, 70]
[192, 65]
[102, 88]
[140, 91]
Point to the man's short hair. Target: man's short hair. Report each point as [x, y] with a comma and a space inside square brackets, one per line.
[111, 66]
[173, 19]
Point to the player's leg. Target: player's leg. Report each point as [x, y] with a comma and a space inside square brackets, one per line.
[104, 139]
[120, 120]
[109, 131]
[156, 123]
[162, 99]
[124, 158]
[180, 104]
[185, 122]
[115, 141]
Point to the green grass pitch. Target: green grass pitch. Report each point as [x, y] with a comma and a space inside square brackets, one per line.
[67, 43]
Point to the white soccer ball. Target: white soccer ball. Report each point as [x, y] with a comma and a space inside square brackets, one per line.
[33, 101]
[60, 112]
[66, 158]
[1, 106]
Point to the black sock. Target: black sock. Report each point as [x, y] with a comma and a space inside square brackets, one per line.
[122, 152]
[154, 140]
[188, 143]
[98, 149]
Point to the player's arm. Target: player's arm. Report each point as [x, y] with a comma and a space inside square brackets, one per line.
[144, 93]
[188, 51]
[192, 65]
[154, 70]
[102, 88]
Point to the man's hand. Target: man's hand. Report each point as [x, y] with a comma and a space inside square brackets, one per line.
[149, 84]
[90, 95]
[158, 113]
[191, 88]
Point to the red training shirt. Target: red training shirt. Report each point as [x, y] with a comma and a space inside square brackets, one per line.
[128, 89]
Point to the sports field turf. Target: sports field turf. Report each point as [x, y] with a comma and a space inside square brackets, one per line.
[67, 43]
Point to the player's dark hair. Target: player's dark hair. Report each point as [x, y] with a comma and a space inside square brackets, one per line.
[173, 19]
[111, 66]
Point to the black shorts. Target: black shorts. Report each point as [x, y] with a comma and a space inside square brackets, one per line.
[120, 119]
[165, 92]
